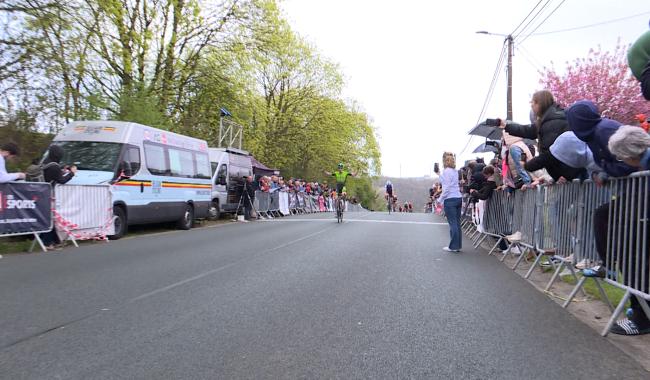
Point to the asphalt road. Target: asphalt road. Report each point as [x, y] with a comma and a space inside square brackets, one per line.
[301, 297]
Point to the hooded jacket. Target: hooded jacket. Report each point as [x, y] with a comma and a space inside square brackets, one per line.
[53, 173]
[645, 81]
[588, 126]
[553, 124]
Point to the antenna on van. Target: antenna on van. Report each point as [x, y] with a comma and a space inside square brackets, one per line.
[230, 133]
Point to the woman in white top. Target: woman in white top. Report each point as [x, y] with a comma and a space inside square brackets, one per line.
[452, 200]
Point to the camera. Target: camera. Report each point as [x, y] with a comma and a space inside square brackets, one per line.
[493, 122]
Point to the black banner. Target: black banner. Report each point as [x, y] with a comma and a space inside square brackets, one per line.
[25, 207]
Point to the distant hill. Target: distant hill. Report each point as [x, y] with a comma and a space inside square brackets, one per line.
[414, 190]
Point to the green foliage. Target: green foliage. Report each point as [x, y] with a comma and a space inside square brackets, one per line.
[174, 64]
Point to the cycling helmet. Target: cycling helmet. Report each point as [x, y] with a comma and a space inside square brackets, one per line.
[340, 165]
[388, 183]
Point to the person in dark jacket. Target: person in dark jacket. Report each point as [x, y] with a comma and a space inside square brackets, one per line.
[489, 185]
[54, 174]
[550, 122]
[587, 124]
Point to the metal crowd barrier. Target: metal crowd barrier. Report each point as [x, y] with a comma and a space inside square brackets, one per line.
[558, 220]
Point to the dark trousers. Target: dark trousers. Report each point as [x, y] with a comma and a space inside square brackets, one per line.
[452, 211]
[50, 238]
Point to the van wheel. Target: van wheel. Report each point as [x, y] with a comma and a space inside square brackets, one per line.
[120, 223]
[214, 212]
[187, 220]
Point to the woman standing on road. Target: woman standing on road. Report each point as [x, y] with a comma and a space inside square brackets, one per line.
[451, 198]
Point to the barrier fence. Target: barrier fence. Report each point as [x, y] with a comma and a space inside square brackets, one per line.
[280, 203]
[564, 222]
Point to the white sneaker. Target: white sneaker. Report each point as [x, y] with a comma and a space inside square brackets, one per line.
[447, 249]
[582, 264]
[514, 237]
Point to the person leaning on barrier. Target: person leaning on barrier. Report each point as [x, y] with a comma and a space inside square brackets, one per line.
[8, 151]
[485, 192]
[632, 146]
[54, 174]
[569, 158]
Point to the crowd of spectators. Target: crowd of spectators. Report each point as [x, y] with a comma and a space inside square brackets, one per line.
[573, 144]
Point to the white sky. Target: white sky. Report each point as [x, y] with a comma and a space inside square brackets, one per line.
[421, 73]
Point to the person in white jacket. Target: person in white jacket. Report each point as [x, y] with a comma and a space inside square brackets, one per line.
[8, 151]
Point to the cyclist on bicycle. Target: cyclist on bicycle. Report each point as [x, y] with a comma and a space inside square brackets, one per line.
[389, 194]
[341, 177]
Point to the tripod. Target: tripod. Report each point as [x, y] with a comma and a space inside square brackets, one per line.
[241, 203]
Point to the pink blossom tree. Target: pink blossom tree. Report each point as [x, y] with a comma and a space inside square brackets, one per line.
[603, 78]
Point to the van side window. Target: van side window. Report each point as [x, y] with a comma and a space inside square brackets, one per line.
[181, 163]
[156, 160]
[202, 166]
[223, 172]
[133, 159]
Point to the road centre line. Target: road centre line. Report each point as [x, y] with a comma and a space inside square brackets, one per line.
[357, 220]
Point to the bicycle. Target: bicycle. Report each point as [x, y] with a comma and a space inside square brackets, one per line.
[340, 207]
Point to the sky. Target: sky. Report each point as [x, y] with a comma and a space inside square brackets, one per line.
[421, 73]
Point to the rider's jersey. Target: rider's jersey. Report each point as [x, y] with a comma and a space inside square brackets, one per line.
[389, 190]
[341, 176]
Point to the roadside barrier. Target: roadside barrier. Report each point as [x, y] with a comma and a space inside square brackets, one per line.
[91, 219]
[281, 203]
[26, 209]
[557, 222]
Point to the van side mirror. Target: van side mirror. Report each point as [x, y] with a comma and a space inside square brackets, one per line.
[124, 171]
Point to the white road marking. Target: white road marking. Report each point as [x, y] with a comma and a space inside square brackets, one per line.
[357, 220]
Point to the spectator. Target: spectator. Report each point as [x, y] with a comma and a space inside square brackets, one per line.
[475, 175]
[8, 151]
[590, 127]
[516, 154]
[249, 198]
[54, 174]
[638, 58]
[569, 158]
[451, 198]
[550, 122]
[489, 185]
[631, 145]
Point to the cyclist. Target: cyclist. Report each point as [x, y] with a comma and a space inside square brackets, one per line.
[389, 194]
[341, 177]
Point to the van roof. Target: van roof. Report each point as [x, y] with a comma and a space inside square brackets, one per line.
[125, 132]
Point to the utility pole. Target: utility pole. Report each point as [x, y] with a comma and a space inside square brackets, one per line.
[510, 41]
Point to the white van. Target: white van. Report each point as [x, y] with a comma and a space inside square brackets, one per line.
[156, 175]
[229, 167]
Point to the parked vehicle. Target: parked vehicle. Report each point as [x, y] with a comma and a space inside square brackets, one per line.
[229, 167]
[156, 175]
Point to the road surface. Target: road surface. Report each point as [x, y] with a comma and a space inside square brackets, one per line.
[301, 297]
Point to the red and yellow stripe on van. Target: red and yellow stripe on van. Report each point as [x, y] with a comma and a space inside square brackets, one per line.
[129, 182]
[170, 185]
[178, 185]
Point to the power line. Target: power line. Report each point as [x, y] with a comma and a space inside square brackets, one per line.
[591, 25]
[528, 57]
[541, 23]
[522, 31]
[528, 15]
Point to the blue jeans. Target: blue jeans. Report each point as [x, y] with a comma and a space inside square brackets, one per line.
[515, 153]
[453, 210]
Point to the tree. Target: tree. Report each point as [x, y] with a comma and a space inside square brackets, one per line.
[603, 78]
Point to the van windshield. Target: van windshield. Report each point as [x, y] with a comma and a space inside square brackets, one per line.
[90, 155]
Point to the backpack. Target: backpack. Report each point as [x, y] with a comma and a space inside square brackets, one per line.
[36, 173]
